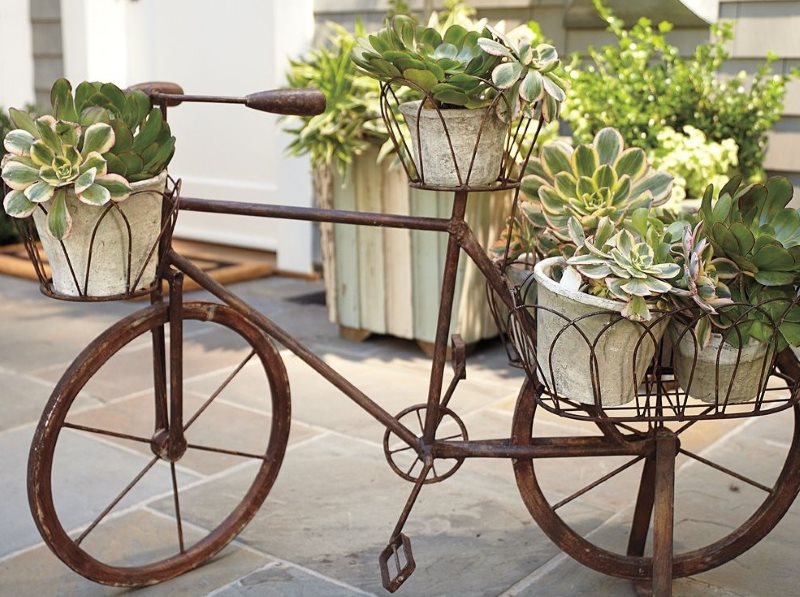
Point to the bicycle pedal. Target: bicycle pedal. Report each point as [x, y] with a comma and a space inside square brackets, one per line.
[459, 352]
[398, 552]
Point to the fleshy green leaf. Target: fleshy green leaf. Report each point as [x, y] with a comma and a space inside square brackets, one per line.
[632, 162]
[494, 48]
[117, 186]
[85, 180]
[425, 79]
[19, 176]
[39, 192]
[585, 160]
[95, 194]
[59, 221]
[17, 205]
[98, 137]
[531, 87]
[18, 142]
[22, 120]
[609, 143]
[505, 75]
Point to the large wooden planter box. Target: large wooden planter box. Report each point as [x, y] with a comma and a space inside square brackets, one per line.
[387, 281]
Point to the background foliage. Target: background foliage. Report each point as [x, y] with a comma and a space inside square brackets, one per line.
[641, 84]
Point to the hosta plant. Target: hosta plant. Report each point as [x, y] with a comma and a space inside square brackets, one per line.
[48, 157]
[590, 182]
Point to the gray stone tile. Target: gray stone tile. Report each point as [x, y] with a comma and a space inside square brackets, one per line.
[39, 572]
[391, 383]
[23, 398]
[284, 580]
[335, 503]
[220, 425]
[80, 491]
[130, 370]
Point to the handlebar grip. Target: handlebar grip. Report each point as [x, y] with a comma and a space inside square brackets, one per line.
[294, 102]
[165, 87]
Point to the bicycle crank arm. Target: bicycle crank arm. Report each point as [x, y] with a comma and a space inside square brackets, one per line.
[398, 551]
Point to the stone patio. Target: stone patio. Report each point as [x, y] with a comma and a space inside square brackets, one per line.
[335, 501]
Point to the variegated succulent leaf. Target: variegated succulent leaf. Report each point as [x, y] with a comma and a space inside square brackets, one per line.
[623, 266]
[591, 182]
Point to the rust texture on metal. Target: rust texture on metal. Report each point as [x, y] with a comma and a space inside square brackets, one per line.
[430, 436]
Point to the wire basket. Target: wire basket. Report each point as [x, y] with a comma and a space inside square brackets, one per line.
[457, 149]
[113, 257]
[590, 363]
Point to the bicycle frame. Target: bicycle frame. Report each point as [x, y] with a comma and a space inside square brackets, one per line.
[460, 237]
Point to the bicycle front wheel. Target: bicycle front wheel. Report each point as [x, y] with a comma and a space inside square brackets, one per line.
[104, 500]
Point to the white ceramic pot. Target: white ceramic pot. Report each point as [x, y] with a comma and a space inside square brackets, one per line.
[623, 349]
[108, 270]
[433, 156]
[710, 381]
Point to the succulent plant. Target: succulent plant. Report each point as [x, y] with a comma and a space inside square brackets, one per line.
[700, 285]
[143, 143]
[759, 239]
[450, 67]
[623, 266]
[48, 156]
[589, 182]
[463, 68]
[753, 228]
[530, 73]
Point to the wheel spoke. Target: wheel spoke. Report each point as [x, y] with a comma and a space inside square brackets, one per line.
[177, 506]
[219, 390]
[224, 451]
[400, 450]
[116, 500]
[134, 438]
[419, 418]
[599, 481]
[726, 470]
[413, 464]
[443, 439]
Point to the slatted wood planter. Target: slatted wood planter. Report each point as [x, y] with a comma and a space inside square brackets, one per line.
[387, 281]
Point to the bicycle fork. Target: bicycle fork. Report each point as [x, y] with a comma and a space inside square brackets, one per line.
[169, 440]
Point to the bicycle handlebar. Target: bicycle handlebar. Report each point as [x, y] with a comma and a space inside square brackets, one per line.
[295, 102]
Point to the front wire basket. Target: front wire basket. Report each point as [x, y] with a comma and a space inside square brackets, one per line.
[661, 373]
[133, 276]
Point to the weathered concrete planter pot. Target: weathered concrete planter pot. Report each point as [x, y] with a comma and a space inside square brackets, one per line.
[745, 382]
[436, 166]
[108, 269]
[564, 349]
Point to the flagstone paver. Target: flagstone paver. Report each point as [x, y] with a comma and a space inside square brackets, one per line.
[335, 502]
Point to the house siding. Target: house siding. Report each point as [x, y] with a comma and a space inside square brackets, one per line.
[48, 53]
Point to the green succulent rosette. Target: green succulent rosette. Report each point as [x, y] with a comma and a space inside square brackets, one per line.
[47, 157]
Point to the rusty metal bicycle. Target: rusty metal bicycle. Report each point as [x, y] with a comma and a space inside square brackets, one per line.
[646, 431]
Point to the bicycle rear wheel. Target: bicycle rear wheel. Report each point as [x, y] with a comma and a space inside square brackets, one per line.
[99, 545]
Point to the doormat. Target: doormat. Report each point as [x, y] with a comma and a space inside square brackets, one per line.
[225, 264]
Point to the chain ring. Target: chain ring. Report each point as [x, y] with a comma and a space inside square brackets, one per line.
[408, 465]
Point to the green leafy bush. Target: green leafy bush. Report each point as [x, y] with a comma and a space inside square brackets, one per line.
[694, 161]
[641, 85]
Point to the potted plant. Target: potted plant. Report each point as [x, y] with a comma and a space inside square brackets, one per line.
[587, 182]
[595, 309]
[92, 175]
[470, 85]
[741, 306]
